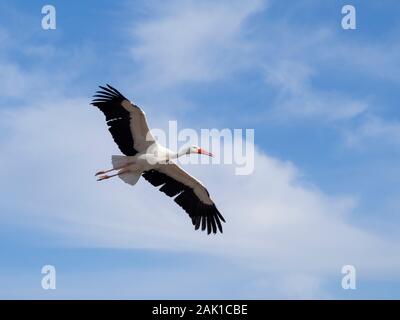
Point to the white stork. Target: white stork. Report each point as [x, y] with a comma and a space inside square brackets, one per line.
[145, 157]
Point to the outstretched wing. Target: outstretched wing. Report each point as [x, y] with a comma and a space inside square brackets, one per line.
[190, 194]
[127, 122]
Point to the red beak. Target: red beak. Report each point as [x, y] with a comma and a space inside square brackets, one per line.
[202, 151]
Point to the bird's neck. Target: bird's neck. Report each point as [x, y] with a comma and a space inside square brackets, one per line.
[180, 153]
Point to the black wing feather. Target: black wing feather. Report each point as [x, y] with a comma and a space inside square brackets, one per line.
[202, 215]
[108, 100]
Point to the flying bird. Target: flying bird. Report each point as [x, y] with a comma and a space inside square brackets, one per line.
[144, 156]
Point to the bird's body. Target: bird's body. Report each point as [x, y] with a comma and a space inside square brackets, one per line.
[145, 157]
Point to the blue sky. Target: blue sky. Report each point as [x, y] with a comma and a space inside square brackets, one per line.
[323, 104]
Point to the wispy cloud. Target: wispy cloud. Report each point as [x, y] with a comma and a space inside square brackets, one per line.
[375, 130]
[193, 41]
[298, 98]
[281, 228]
[273, 215]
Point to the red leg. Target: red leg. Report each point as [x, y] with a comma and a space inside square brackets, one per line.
[104, 177]
[110, 170]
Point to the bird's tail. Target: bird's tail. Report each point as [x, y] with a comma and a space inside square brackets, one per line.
[119, 161]
[130, 177]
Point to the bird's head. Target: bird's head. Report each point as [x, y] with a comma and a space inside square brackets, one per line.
[198, 150]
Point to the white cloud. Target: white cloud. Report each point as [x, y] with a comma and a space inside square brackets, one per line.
[298, 98]
[374, 129]
[193, 41]
[365, 59]
[47, 69]
[276, 224]
[14, 80]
